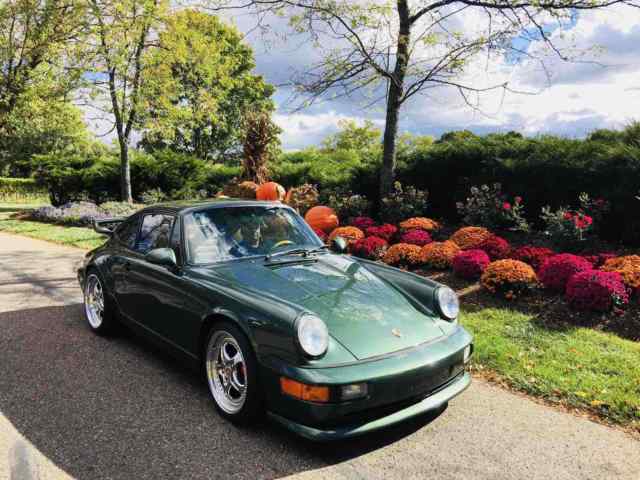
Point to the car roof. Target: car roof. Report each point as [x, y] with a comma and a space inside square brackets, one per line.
[182, 206]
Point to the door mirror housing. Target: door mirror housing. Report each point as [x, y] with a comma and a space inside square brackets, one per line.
[162, 256]
[339, 245]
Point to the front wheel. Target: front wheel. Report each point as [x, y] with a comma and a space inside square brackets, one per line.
[97, 308]
[232, 374]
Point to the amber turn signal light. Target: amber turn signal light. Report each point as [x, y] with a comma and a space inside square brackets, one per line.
[311, 393]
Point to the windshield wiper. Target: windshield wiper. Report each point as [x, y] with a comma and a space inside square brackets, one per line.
[295, 251]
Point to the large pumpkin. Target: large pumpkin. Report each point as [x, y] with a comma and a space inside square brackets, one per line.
[322, 218]
[270, 191]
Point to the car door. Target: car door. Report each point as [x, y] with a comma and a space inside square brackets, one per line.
[123, 251]
[157, 298]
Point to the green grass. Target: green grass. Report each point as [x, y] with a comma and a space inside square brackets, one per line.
[579, 367]
[15, 207]
[72, 236]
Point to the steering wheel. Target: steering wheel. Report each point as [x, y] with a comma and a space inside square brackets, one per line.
[282, 243]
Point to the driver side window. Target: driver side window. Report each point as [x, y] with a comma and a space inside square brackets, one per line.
[155, 232]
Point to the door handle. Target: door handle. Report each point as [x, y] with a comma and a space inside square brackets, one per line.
[127, 266]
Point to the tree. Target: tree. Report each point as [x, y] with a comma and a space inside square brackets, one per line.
[122, 30]
[353, 137]
[38, 124]
[198, 86]
[40, 41]
[392, 51]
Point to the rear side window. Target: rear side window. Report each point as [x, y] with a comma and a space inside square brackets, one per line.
[127, 232]
[155, 232]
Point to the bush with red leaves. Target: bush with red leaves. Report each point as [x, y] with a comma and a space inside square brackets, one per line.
[496, 247]
[416, 237]
[385, 231]
[596, 291]
[534, 256]
[599, 259]
[470, 264]
[558, 269]
[372, 248]
[363, 222]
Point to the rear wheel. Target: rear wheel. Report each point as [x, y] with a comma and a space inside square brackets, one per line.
[97, 308]
[232, 374]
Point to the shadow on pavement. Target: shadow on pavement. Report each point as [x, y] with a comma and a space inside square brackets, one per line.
[119, 408]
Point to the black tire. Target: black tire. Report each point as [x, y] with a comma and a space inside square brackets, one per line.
[251, 408]
[105, 323]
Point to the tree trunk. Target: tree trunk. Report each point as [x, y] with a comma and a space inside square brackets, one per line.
[125, 172]
[394, 100]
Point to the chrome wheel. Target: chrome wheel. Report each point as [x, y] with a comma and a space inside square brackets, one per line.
[226, 372]
[94, 301]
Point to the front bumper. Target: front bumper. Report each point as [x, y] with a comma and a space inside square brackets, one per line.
[452, 389]
[400, 386]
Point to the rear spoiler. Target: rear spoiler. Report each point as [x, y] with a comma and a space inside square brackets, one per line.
[106, 226]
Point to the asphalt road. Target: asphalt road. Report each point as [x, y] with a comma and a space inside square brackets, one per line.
[75, 404]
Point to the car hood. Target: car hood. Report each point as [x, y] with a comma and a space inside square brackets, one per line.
[367, 315]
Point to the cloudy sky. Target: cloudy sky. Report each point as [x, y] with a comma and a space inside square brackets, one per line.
[602, 90]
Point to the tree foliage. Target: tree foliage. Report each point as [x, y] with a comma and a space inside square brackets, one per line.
[198, 86]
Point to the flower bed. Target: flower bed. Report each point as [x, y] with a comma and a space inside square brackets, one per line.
[534, 256]
[629, 269]
[470, 237]
[372, 248]
[470, 264]
[509, 278]
[558, 269]
[419, 223]
[402, 255]
[81, 214]
[350, 234]
[416, 237]
[439, 255]
[496, 247]
[385, 231]
[597, 291]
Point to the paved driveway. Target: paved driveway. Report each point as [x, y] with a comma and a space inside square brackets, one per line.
[75, 404]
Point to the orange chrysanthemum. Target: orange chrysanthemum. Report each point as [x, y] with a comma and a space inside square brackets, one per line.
[350, 234]
[419, 223]
[402, 254]
[509, 278]
[628, 267]
[470, 237]
[439, 254]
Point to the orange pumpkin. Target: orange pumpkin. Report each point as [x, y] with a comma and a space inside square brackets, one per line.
[270, 191]
[322, 218]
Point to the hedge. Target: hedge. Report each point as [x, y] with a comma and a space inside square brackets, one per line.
[21, 190]
[544, 170]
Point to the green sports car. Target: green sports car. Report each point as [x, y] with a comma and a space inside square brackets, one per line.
[329, 345]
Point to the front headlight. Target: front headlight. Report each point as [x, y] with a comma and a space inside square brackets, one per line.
[313, 335]
[447, 303]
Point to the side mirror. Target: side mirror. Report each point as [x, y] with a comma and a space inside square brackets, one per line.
[162, 256]
[339, 245]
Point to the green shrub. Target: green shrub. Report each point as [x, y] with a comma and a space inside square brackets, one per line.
[21, 190]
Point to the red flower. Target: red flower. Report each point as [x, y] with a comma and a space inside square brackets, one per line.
[369, 247]
[506, 206]
[568, 216]
[496, 247]
[557, 270]
[416, 237]
[518, 199]
[470, 264]
[595, 290]
[534, 256]
[385, 231]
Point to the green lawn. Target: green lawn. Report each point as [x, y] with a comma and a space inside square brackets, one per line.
[579, 367]
[72, 236]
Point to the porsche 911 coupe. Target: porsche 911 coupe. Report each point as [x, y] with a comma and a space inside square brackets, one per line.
[328, 345]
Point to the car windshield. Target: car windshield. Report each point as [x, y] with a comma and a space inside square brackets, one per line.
[228, 233]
